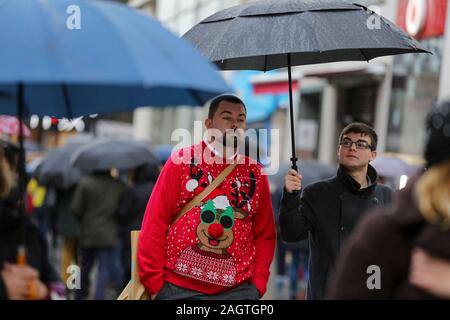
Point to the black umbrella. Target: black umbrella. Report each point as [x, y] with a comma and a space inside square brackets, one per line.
[118, 154]
[271, 34]
[55, 169]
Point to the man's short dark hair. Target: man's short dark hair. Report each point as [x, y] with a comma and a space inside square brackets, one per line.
[214, 105]
[364, 129]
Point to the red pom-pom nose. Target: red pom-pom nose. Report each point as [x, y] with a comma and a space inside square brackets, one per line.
[215, 230]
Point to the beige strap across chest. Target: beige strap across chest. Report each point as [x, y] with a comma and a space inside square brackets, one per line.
[214, 184]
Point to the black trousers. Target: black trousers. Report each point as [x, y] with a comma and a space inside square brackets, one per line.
[246, 291]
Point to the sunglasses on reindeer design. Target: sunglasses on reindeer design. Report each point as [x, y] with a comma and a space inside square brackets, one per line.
[209, 213]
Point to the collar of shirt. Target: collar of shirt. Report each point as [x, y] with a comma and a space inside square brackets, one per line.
[217, 152]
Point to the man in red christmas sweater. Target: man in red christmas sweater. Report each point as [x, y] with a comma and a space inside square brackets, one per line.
[223, 247]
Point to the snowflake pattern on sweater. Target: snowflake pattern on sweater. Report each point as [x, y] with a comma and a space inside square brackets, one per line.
[212, 268]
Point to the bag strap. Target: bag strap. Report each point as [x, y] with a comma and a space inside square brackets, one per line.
[202, 195]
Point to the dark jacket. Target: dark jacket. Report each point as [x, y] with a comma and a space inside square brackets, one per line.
[37, 254]
[94, 204]
[132, 208]
[385, 240]
[328, 211]
[134, 200]
[67, 226]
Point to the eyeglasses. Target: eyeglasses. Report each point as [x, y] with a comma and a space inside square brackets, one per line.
[360, 144]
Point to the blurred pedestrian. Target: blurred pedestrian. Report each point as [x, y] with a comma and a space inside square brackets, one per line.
[67, 228]
[327, 211]
[131, 209]
[34, 279]
[430, 273]
[297, 268]
[420, 220]
[94, 204]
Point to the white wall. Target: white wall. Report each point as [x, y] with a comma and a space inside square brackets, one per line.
[327, 142]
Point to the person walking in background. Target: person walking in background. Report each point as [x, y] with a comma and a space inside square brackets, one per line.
[327, 211]
[297, 268]
[131, 209]
[94, 204]
[419, 223]
[67, 229]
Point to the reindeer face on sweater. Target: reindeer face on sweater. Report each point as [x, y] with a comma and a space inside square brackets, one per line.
[215, 228]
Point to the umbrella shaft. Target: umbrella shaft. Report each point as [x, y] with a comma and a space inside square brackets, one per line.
[21, 164]
[291, 109]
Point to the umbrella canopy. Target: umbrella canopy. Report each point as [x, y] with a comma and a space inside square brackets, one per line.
[119, 59]
[271, 34]
[311, 171]
[393, 167]
[119, 154]
[259, 35]
[10, 125]
[31, 146]
[56, 169]
[32, 165]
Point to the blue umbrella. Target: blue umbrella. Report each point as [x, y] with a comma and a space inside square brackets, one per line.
[67, 58]
[117, 60]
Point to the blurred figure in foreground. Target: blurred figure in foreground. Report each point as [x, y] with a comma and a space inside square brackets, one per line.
[430, 273]
[378, 262]
[35, 279]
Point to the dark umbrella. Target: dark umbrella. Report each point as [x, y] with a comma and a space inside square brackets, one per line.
[56, 169]
[31, 146]
[119, 154]
[271, 34]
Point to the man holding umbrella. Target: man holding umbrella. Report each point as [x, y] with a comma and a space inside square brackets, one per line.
[208, 230]
[327, 211]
